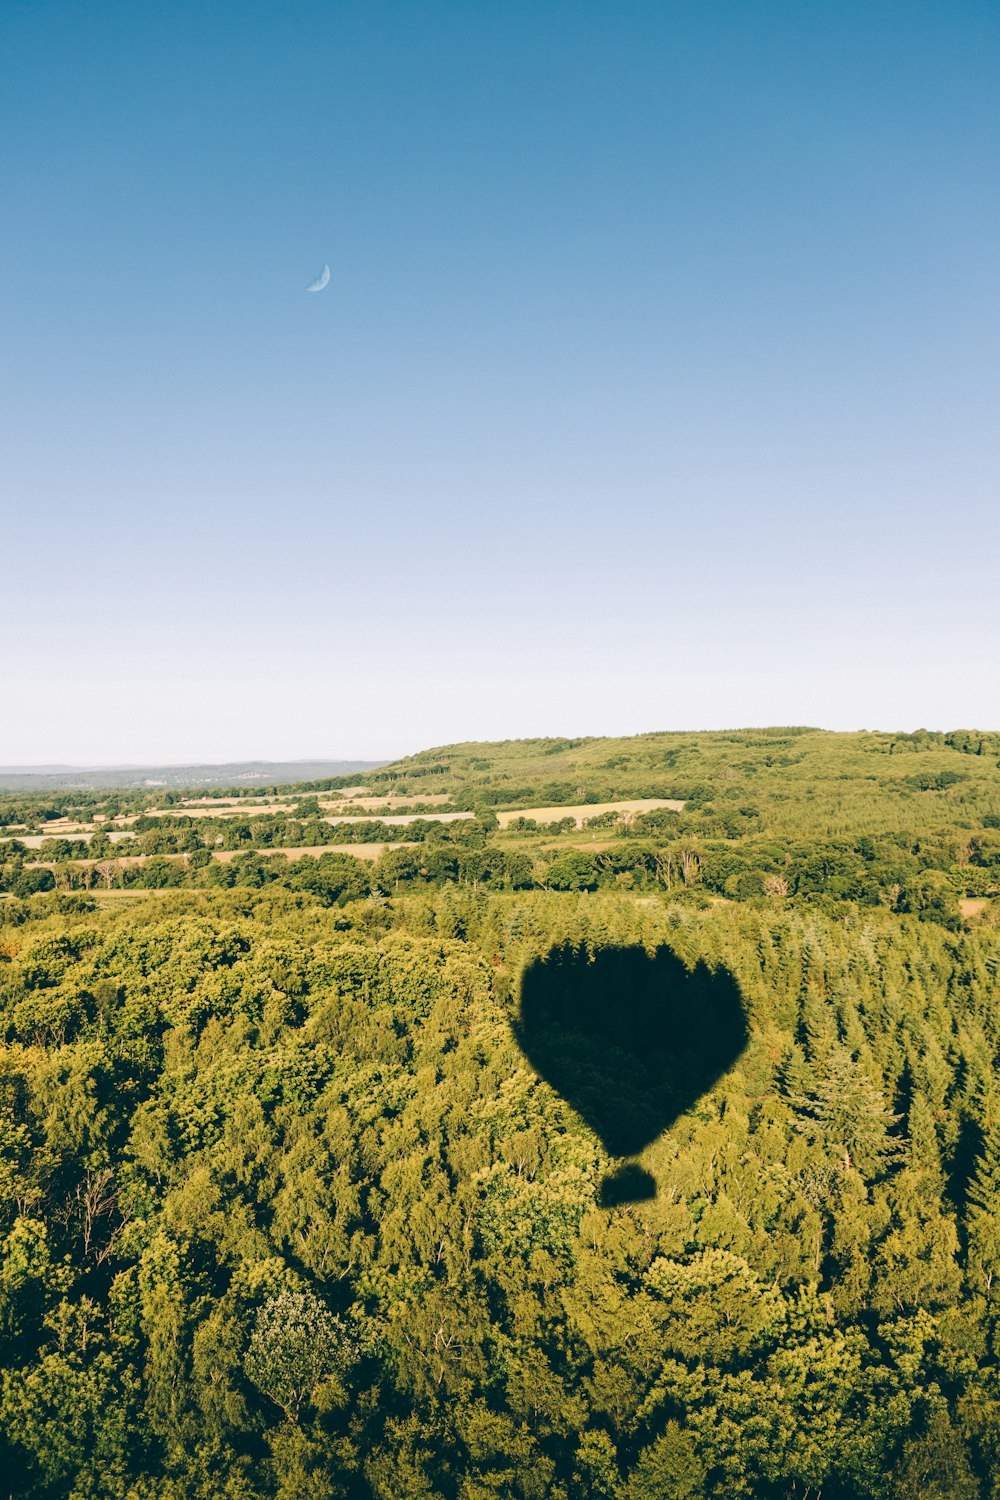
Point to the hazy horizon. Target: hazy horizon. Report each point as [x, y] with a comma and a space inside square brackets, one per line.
[656, 379]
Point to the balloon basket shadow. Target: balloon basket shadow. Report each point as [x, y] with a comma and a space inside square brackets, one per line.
[626, 1184]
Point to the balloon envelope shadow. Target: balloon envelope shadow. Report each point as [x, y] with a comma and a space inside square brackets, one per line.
[630, 1040]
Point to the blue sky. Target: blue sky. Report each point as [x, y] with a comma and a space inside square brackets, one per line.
[656, 383]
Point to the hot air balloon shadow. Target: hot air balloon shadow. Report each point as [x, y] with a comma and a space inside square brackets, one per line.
[631, 1040]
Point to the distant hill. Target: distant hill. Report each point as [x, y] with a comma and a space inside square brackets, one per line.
[792, 780]
[234, 773]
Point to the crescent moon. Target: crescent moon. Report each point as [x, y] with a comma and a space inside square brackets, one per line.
[320, 282]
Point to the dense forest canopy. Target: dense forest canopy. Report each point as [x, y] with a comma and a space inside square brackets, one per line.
[645, 1155]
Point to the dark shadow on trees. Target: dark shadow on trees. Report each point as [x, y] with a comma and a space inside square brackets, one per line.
[627, 1184]
[630, 1040]
[964, 1160]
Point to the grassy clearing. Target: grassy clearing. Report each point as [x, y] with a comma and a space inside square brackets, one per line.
[238, 809]
[313, 851]
[226, 856]
[583, 812]
[115, 896]
[973, 906]
[400, 820]
[238, 802]
[243, 807]
[36, 840]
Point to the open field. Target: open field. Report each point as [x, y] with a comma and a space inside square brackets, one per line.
[313, 851]
[226, 856]
[400, 820]
[36, 840]
[119, 897]
[124, 860]
[584, 811]
[262, 804]
[342, 794]
[973, 906]
[433, 799]
[60, 828]
[247, 807]
[240, 808]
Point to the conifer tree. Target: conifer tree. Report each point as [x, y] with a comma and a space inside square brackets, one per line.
[983, 1210]
[847, 1113]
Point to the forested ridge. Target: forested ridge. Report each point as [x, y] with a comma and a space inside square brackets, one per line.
[463, 1183]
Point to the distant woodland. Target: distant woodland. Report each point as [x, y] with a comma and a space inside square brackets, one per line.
[492, 1151]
